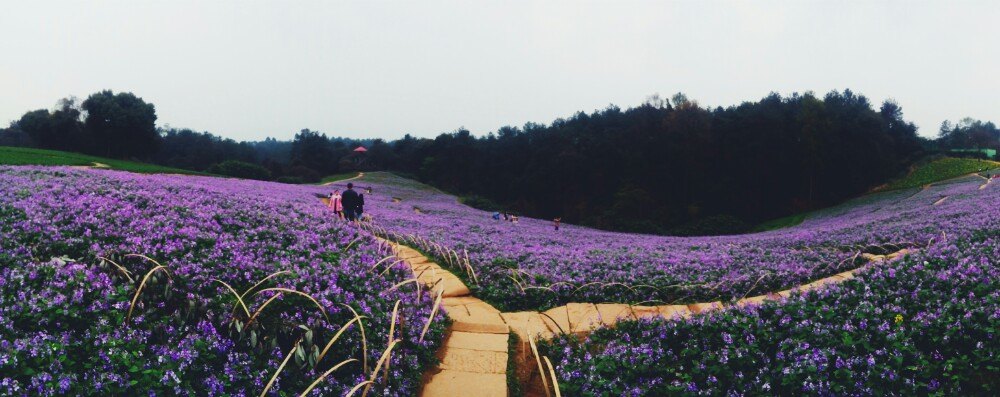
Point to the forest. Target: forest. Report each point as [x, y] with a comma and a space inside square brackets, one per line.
[668, 166]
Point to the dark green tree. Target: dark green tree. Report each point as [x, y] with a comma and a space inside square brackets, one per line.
[121, 125]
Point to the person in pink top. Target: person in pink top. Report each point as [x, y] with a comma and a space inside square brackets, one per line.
[337, 204]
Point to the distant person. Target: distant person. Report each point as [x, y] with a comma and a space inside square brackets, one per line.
[496, 216]
[337, 204]
[513, 219]
[368, 190]
[506, 216]
[351, 200]
[361, 206]
[556, 222]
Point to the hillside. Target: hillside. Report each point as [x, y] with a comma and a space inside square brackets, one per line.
[30, 156]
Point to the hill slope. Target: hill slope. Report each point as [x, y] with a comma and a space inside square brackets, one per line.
[29, 156]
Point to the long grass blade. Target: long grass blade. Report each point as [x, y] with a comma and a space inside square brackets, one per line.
[235, 294]
[538, 361]
[300, 293]
[392, 331]
[121, 268]
[555, 382]
[382, 360]
[364, 339]
[261, 308]
[280, 367]
[262, 281]
[437, 304]
[337, 336]
[141, 286]
[325, 374]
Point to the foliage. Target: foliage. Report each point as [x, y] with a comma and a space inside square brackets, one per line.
[240, 169]
[969, 133]
[780, 223]
[121, 125]
[530, 265]
[921, 326]
[64, 310]
[27, 156]
[661, 166]
[941, 169]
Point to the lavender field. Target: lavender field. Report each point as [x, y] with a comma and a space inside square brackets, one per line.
[530, 265]
[113, 283]
[926, 324]
[257, 282]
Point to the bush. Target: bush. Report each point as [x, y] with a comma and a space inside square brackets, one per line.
[240, 169]
[481, 203]
[295, 180]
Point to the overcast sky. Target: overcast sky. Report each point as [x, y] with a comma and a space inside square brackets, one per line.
[248, 70]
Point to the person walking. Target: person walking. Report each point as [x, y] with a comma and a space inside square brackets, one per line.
[361, 206]
[556, 222]
[350, 200]
[337, 204]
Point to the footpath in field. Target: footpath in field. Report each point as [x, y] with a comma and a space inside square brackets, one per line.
[474, 356]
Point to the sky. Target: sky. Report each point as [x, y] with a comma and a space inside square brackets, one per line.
[374, 69]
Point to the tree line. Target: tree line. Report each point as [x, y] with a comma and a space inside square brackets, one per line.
[123, 125]
[672, 166]
[667, 166]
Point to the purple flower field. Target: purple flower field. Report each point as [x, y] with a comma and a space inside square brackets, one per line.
[530, 265]
[64, 311]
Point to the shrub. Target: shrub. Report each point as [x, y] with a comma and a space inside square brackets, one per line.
[240, 169]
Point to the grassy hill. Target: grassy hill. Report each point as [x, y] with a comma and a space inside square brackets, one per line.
[941, 169]
[29, 156]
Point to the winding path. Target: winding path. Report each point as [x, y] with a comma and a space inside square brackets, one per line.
[474, 356]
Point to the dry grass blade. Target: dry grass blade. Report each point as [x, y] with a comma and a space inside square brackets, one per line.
[434, 310]
[141, 286]
[280, 367]
[239, 299]
[300, 293]
[121, 268]
[357, 387]
[402, 283]
[262, 281]
[392, 331]
[388, 268]
[348, 246]
[337, 336]
[144, 257]
[552, 372]
[541, 369]
[261, 308]
[375, 266]
[324, 375]
[364, 338]
[382, 360]
[562, 331]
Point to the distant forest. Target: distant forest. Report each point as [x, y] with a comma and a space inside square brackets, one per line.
[668, 166]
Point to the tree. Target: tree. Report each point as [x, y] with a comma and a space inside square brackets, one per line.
[122, 125]
[60, 129]
[313, 150]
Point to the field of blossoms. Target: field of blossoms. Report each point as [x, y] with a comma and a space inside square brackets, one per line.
[928, 324]
[530, 265]
[114, 283]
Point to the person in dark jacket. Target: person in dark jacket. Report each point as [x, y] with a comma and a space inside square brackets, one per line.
[361, 206]
[351, 201]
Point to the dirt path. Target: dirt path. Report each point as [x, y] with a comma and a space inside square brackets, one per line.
[359, 175]
[474, 356]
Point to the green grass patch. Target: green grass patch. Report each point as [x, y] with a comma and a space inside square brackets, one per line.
[337, 177]
[780, 223]
[30, 156]
[941, 169]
